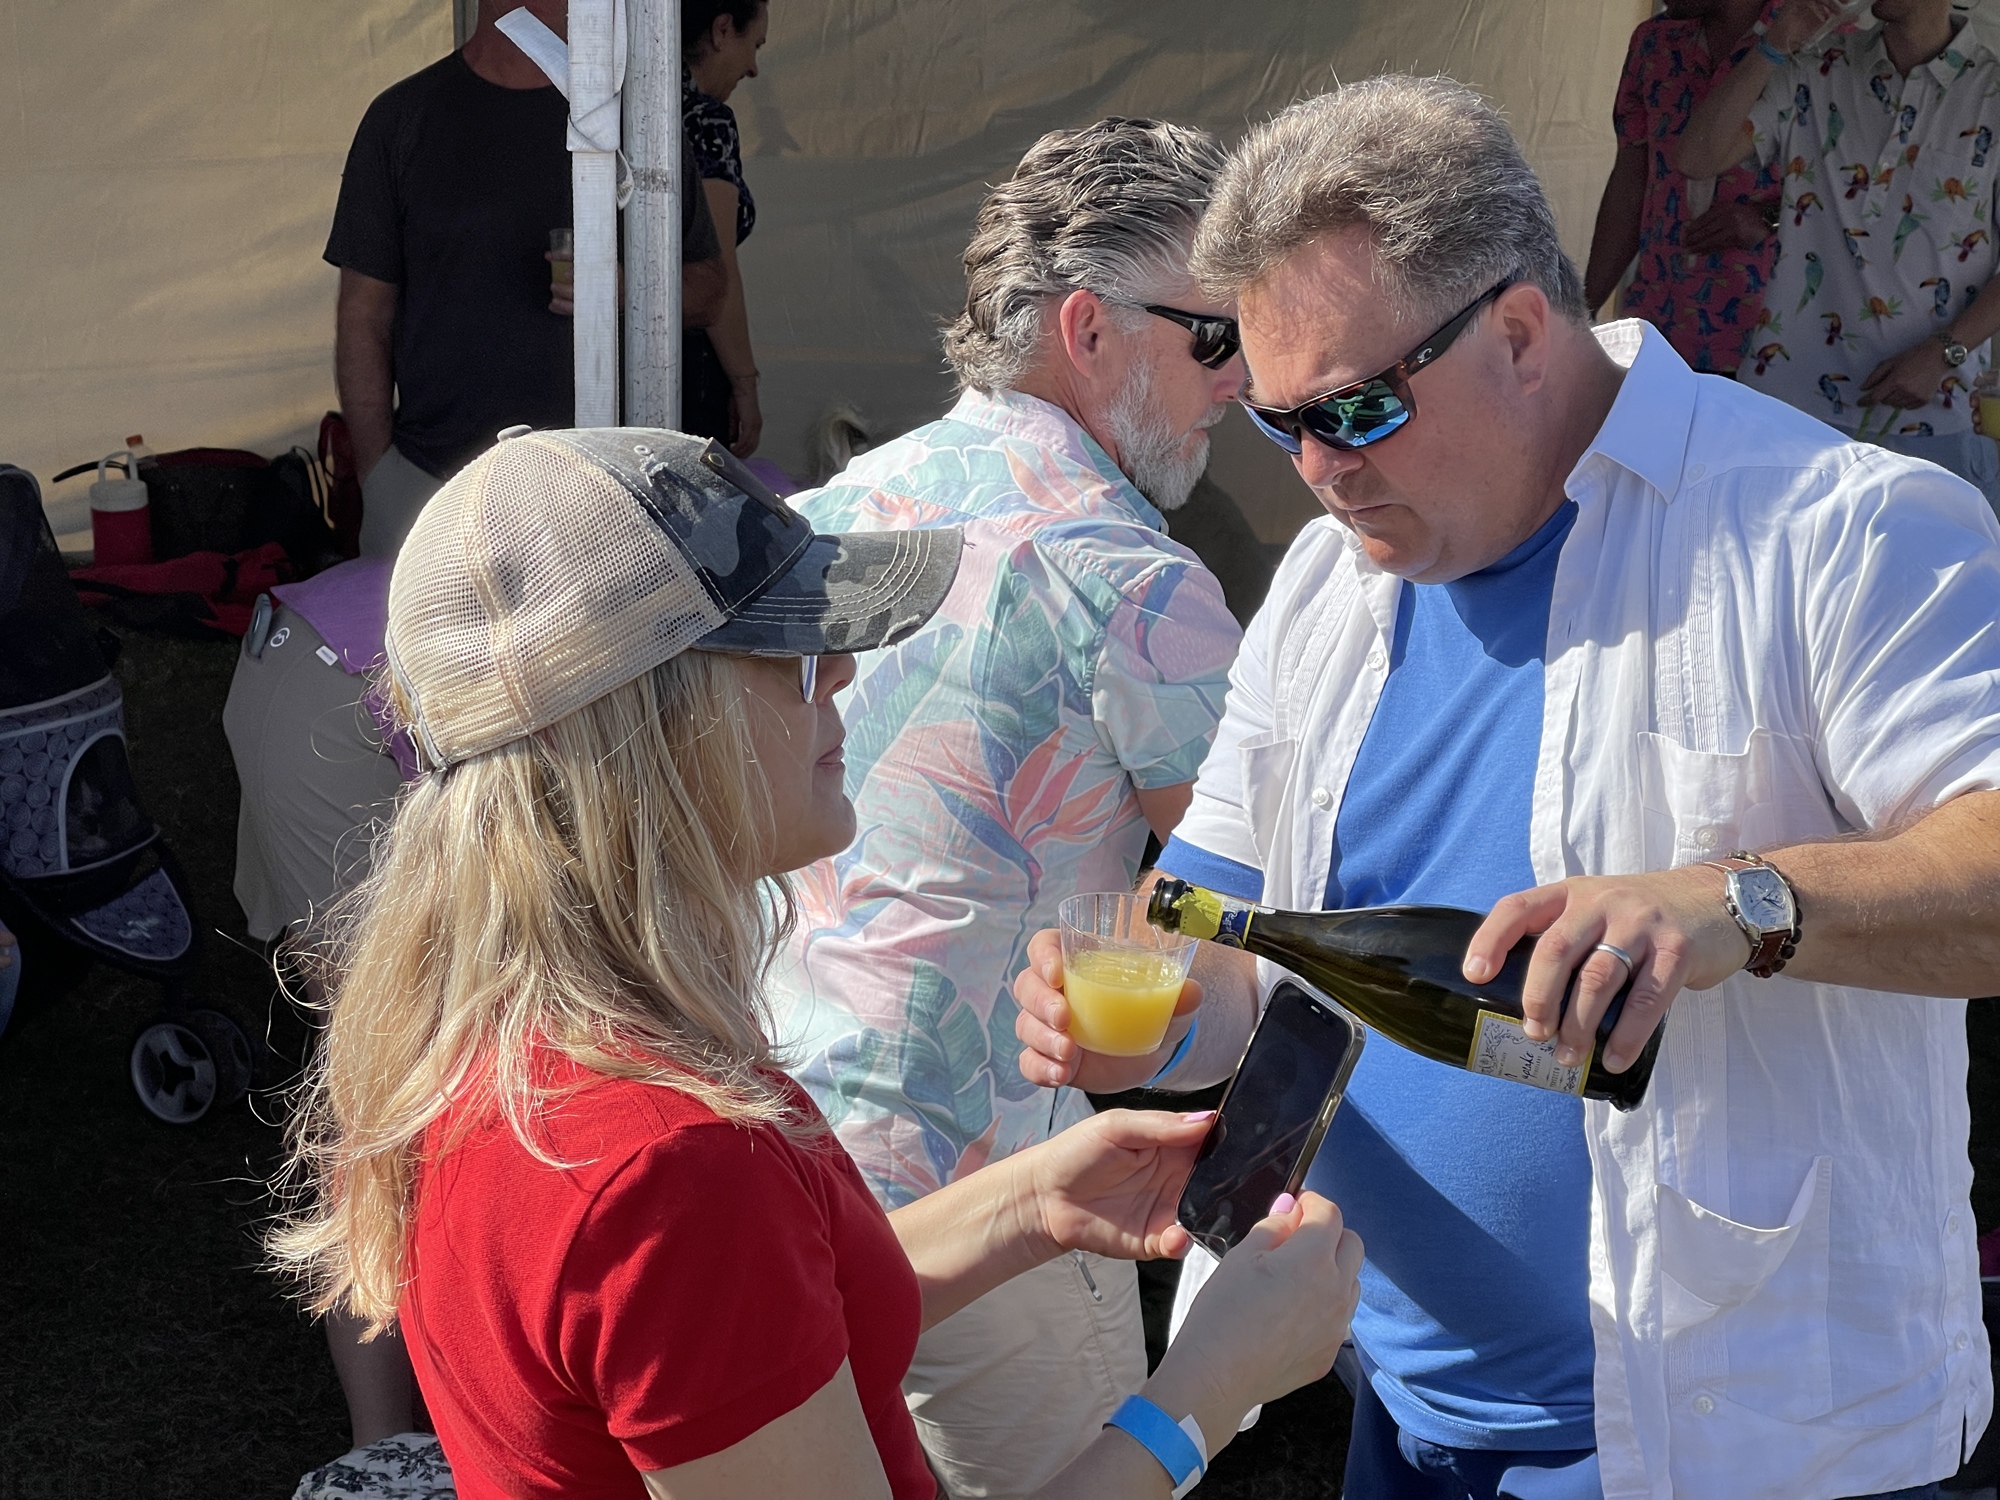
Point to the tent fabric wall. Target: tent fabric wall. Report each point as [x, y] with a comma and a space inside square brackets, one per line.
[170, 168]
[168, 171]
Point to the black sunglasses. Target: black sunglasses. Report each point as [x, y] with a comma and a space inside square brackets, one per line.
[1215, 339]
[1366, 411]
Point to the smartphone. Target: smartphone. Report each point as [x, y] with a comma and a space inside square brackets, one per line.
[1271, 1121]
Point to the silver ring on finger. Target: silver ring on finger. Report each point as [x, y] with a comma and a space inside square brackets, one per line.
[1631, 967]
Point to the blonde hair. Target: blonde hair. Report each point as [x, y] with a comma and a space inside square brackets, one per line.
[591, 892]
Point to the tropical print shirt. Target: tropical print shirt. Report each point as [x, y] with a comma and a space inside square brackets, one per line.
[1704, 304]
[1887, 230]
[992, 760]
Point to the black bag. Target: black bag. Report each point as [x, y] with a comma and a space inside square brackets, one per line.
[228, 500]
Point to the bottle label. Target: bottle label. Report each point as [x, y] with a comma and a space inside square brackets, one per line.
[1501, 1049]
[1233, 923]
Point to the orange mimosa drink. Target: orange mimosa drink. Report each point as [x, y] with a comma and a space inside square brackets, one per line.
[1120, 1000]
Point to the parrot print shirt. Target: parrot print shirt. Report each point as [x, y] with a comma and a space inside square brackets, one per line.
[1704, 304]
[992, 759]
[1887, 227]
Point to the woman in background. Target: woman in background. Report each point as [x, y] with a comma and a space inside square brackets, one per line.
[719, 42]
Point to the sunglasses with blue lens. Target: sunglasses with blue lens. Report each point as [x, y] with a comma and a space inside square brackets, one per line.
[1367, 411]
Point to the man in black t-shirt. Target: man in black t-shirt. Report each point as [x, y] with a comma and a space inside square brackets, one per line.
[445, 332]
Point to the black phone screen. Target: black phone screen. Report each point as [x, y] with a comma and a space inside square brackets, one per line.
[1301, 1055]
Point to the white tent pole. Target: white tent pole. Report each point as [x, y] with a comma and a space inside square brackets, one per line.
[653, 217]
[594, 191]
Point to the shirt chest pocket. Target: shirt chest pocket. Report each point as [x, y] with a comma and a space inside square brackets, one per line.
[1734, 1292]
[1700, 804]
[1266, 763]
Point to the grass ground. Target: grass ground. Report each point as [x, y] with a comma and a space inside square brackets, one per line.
[142, 1352]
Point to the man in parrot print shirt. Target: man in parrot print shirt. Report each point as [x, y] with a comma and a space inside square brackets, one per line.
[1880, 305]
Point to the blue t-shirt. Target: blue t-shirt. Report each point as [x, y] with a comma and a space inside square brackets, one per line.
[1472, 1194]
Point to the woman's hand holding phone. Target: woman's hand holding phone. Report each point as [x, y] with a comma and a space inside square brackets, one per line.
[1270, 1319]
[1110, 1184]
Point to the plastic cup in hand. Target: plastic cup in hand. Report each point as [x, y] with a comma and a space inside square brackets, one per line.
[1121, 976]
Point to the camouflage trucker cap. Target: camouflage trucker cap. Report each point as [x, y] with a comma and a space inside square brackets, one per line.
[557, 566]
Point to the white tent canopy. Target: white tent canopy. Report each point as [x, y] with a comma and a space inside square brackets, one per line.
[171, 172]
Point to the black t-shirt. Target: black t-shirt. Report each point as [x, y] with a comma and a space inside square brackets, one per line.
[451, 188]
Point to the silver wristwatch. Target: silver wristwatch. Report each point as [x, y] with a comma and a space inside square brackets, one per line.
[1955, 353]
[1764, 906]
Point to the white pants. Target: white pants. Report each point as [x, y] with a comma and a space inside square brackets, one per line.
[1007, 1391]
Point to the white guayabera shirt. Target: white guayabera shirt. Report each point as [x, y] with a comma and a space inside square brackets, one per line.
[1759, 634]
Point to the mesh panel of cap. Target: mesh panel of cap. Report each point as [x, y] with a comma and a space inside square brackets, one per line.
[532, 583]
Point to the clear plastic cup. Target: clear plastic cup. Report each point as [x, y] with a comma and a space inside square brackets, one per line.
[1121, 975]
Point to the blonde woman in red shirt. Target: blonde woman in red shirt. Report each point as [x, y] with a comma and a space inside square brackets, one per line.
[546, 1131]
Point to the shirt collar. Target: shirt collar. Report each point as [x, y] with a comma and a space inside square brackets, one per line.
[1965, 48]
[1646, 431]
[1049, 427]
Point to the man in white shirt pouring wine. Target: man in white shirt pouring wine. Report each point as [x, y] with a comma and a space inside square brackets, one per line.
[1580, 624]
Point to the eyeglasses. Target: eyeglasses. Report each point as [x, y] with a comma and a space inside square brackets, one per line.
[808, 677]
[1353, 416]
[1216, 340]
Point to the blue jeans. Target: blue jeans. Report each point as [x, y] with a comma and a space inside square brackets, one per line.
[1386, 1463]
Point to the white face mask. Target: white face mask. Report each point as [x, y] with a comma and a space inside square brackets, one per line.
[1162, 464]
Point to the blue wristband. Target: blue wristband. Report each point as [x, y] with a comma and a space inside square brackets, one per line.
[1178, 1446]
[1772, 55]
[1179, 1052]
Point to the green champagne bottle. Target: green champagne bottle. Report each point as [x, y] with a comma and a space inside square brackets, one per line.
[1397, 968]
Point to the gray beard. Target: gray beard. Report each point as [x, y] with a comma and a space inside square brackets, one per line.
[1152, 455]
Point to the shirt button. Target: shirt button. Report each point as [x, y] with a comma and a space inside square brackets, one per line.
[1951, 1224]
[1377, 661]
[1960, 1342]
[1322, 798]
[1697, 471]
[1703, 1405]
[1704, 838]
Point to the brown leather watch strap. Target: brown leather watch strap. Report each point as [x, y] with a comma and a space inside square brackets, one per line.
[1770, 954]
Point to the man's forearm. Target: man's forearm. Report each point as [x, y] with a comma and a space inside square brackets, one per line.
[364, 377]
[1616, 239]
[1714, 138]
[1917, 913]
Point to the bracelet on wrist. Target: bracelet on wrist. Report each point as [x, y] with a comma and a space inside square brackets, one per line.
[750, 377]
[1771, 54]
[1180, 1447]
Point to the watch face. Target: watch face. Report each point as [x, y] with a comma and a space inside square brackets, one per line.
[1762, 898]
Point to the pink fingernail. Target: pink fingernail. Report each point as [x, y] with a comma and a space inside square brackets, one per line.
[1199, 1115]
[1284, 1203]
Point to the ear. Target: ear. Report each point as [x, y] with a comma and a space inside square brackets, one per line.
[1083, 323]
[1527, 320]
[721, 31]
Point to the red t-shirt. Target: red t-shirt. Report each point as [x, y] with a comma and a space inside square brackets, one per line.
[688, 1282]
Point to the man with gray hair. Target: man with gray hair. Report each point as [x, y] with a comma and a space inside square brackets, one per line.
[1579, 624]
[1020, 747]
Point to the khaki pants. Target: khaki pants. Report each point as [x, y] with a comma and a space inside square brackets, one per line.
[316, 780]
[1007, 1391]
[391, 495]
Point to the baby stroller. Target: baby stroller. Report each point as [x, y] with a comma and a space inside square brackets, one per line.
[84, 874]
